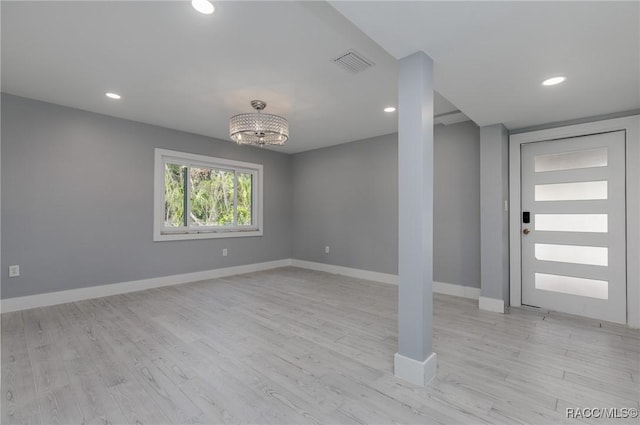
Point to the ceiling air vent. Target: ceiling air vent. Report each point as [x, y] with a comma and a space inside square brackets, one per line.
[353, 61]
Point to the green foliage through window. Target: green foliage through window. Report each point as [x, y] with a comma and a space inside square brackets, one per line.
[174, 189]
[198, 196]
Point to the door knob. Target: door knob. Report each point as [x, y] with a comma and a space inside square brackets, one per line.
[526, 231]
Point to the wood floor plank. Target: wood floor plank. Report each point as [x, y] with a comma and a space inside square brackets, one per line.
[293, 346]
[19, 398]
[96, 404]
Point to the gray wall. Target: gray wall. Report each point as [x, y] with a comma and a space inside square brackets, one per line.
[494, 180]
[345, 196]
[77, 201]
[457, 204]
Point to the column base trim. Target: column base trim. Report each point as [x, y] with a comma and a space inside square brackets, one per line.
[491, 304]
[413, 371]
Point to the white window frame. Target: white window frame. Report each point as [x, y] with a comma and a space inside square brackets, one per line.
[162, 233]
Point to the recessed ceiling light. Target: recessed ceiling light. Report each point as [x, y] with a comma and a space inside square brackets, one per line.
[113, 95]
[389, 109]
[202, 6]
[553, 81]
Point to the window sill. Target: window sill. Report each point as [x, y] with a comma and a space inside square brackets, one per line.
[159, 237]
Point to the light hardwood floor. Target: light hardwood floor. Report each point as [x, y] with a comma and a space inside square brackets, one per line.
[292, 346]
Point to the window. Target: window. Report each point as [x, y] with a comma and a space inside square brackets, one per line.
[199, 197]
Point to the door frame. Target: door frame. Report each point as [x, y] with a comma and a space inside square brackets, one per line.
[631, 125]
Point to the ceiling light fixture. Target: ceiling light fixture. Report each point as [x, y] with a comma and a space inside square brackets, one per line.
[115, 96]
[202, 6]
[258, 128]
[389, 109]
[553, 81]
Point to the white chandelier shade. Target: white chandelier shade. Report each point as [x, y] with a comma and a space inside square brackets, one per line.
[258, 128]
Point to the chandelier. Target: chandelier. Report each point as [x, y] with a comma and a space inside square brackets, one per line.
[258, 128]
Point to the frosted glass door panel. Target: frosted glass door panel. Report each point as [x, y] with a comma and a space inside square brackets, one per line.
[572, 285]
[573, 225]
[594, 223]
[571, 160]
[578, 191]
[593, 255]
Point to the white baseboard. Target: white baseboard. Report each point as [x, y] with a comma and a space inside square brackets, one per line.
[438, 287]
[346, 271]
[61, 297]
[456, 290]
[491, 304]
[413, 371]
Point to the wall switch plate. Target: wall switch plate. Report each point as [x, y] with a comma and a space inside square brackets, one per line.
[225, 252]
[14, 271]
[326, 249]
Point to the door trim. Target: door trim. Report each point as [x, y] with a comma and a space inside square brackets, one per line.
[632, 127]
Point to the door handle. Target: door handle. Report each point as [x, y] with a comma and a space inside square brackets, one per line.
[526, 231]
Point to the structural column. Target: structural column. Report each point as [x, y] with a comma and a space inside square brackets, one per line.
[415, 360]
[494, 218]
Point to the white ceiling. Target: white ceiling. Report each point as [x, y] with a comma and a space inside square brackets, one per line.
[490, 57]
[180, 69]
[177, 68]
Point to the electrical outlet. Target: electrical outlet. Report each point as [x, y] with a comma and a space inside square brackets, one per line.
[14, 271]
[225, 252]
[326, 249]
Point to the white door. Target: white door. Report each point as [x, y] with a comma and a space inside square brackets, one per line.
[573, 225]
